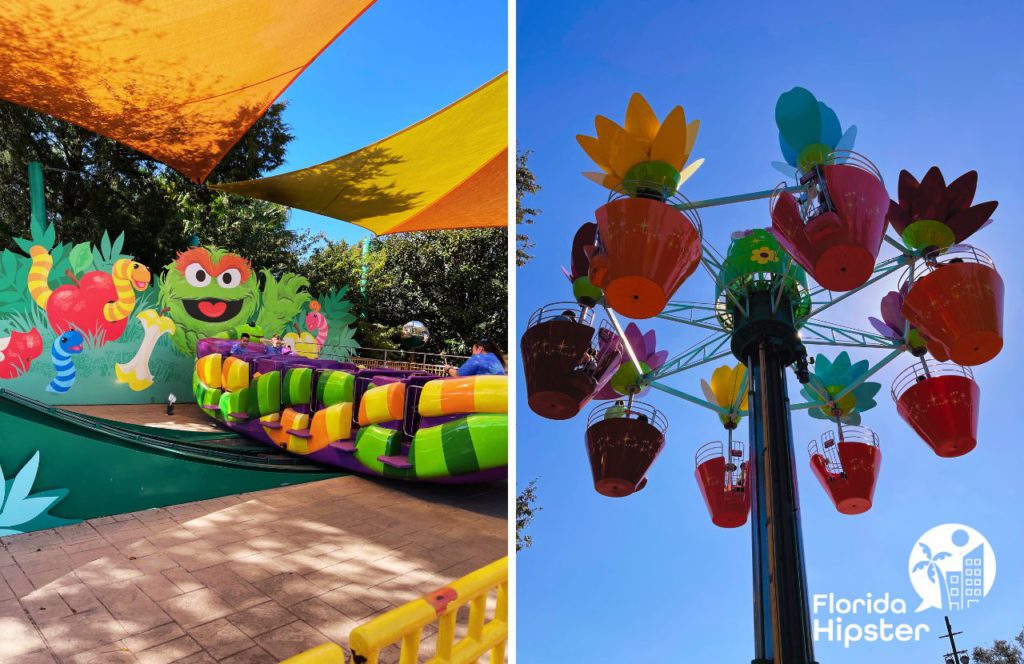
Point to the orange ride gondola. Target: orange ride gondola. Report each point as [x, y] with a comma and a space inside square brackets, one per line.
[723, 477]
[560, 378]
[623, 443]
[957, 303]
[940, 401]
[647, 249]
[835, 230]
[847, 467]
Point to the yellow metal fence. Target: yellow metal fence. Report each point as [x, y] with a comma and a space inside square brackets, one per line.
[404, 625]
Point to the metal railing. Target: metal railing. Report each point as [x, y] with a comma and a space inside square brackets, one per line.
[561, 311]
[735, 459]
[828, 448]
[404, 625]
[636, 410]
[658, 191]
[923, 370]
[938, 258]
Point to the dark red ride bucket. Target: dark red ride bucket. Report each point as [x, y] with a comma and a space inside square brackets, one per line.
[958, 305]
[839, 241]
[941, 408]
[848, 469]
[623, 448]
[558, 382]
[724, 484]
[647, 250]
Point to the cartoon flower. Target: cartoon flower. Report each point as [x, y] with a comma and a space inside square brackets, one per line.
[893, 322]
[832, 377]
[644, 345]
[932, 214]
[764, 255]
[809, 131]
[646, 150]
[725, 386]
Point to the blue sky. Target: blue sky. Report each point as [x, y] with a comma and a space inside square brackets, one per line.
[399, 62]
[648, 578]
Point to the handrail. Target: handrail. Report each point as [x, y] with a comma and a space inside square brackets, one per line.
[634, 410]
[923, 370]
[404, 625]
[938, 258]
[554, 311]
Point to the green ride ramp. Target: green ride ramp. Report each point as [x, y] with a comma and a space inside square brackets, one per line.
[61, 467]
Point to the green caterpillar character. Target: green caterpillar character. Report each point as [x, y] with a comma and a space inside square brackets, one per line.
[211, 292]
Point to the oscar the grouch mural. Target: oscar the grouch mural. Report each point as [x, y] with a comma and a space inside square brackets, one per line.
[210, 292]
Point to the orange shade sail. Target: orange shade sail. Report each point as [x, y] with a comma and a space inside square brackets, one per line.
[179, 80]
[449, 170]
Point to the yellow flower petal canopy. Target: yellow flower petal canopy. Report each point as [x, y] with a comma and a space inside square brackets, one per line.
[617, 151]
[449, 170]
[726, 383]
[179, 80]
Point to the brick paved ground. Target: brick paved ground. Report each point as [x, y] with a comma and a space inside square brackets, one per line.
[244, 579]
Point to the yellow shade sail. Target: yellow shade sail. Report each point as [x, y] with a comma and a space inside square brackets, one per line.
[449, 170]
[179, 80]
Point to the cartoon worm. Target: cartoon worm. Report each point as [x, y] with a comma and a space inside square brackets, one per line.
[127, 276]
[39, 274]
[64, 346]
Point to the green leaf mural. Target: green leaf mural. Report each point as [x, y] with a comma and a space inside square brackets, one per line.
[21, 511]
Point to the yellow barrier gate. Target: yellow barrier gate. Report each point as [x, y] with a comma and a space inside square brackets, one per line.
[405, 624]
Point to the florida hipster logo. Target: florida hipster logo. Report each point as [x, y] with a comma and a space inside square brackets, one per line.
[952, 567]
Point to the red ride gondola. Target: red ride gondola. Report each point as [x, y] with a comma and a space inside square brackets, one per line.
[647, 248]
[940, 401]
[836, 228]
[560, 376]
[957, 303]
[723, 477]
[847, 467]
[622, 443]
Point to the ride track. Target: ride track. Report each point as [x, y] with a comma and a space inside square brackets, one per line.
[648, 238]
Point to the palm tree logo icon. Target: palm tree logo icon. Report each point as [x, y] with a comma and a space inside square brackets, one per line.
[952, 567]
[935, 573]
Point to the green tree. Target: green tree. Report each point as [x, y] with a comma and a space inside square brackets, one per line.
[94, 184]
[525, 511]
[526, 184]
[455, 281]
[1002, 652]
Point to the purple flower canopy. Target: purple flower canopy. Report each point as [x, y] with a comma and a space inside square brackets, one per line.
[893, 322]
[645, 347]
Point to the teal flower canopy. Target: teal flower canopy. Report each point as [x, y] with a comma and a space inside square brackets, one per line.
[808, 131]
[832, 377]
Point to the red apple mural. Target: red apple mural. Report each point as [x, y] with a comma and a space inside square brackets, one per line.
[80, 306]
[17, 352]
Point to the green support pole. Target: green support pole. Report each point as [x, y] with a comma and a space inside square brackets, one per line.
[36, 194]
[363, 272]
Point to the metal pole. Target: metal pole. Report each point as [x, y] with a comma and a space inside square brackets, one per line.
[36, 195]
[952, 642]
[782, 628]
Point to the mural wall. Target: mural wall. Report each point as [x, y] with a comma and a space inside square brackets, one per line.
[86, 324]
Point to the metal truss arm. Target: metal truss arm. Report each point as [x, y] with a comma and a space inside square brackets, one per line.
[822, 333]
[707, 350]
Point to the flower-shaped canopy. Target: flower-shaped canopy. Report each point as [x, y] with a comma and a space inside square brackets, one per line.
[726, 384]
[808, 131]
[832, 377]
[893, 321]
[931, 213]
[645, 151]
[645, 347]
